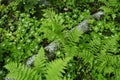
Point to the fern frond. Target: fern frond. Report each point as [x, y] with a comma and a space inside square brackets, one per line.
[21, 72]
[53, 70]
[40, 62]
[70, 43]
[65, 78]
[74, 35]
[56, 68]
[52, 25]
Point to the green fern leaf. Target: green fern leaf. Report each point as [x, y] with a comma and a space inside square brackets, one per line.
[21, 72]
[40, 62]
[65, 78]
[56, 68]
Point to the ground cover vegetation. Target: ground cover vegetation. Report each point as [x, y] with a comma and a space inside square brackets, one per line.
[28, 26]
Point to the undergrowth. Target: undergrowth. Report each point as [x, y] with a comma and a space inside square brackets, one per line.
[28, 26]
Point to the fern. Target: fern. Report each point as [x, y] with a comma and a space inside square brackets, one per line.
[40, 61]
[65, 78]
[70, 46]
[41, 70]
[56, 68]
[53, 24]
[21, 72]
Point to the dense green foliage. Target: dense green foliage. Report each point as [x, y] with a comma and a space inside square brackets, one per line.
[40, 71]
[26, 26]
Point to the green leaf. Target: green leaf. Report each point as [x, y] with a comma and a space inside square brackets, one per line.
[56, 68]
[40, 61]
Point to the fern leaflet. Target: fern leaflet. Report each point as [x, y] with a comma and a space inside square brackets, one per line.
[56, 68]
